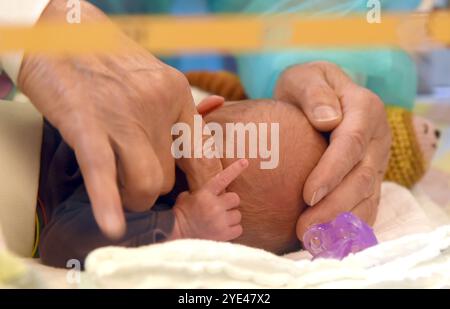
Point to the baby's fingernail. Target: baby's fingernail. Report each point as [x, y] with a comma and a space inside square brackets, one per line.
[318, 195]
[218, 97]
[325, 113]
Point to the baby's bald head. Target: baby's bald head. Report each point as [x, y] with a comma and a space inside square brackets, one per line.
[271, 199]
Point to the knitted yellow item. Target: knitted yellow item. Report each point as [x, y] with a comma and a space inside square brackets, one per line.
[406, 164]
[221, 83]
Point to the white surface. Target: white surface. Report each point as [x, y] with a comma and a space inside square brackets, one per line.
[410, 260]
[419, 260]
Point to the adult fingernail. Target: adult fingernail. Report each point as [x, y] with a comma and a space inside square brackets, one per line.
[325, 113]
[113, 225]
[318, 195]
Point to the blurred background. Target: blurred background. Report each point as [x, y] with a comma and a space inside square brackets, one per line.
[394, 75]
[433, 66]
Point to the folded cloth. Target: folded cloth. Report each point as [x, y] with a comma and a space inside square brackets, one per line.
[419, 260]
[411, 255]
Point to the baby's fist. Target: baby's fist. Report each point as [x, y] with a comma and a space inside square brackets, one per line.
[210, 213]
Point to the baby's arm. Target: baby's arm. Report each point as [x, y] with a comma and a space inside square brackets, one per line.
[72, 232]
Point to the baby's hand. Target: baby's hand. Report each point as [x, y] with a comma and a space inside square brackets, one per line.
[210, 213]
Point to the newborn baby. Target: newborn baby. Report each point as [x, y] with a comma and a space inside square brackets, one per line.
[270, 199]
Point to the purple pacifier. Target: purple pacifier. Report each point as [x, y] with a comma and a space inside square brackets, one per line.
[335, 240]
[5, 86]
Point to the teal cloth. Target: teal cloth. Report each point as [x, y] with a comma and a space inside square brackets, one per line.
[388, 72]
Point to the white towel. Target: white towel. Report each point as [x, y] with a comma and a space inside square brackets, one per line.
[410, 255]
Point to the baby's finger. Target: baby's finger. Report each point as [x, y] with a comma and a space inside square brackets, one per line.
[230, 200]
[234, 232]
[222, 180]
[209, 104]
[234, 217]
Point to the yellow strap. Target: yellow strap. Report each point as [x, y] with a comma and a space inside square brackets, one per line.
[233, 33]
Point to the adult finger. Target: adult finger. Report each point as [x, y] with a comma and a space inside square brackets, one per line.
[97, 163]
[358, 187]
[348, 145]
[140, 173]
[367, 210]
[307, 86]
[198, 167]
[359, 184]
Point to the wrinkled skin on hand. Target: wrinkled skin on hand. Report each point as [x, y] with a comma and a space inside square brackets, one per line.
[116, 111]
[348, 177]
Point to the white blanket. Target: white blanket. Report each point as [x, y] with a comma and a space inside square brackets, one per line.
[413, 253]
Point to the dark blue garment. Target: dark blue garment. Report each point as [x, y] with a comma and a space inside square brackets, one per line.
[71, 231]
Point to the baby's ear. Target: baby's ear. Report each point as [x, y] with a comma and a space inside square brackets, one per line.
[209, 104]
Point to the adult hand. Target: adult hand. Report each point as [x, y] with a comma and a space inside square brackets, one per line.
[116, 112]
[348, 176]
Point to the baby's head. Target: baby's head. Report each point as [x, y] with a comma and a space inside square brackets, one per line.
[271, 199]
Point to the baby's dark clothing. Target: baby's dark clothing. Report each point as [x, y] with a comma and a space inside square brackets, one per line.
[71, 232]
